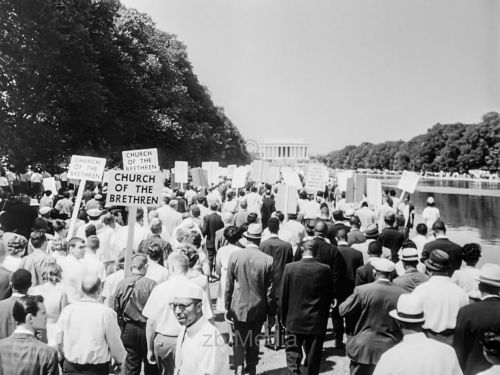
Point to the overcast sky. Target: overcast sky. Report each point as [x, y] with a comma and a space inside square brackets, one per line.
[339, 72]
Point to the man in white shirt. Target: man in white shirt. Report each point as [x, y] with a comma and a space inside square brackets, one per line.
[140, 233]
[201, 349]
[107, 253]
[421, 238]
[441, 299]
[162, 328]
[90, 261]
[254, 201]
[416, 354]
[87, 333]
[169, 217]
[112, 280]
[73, 269]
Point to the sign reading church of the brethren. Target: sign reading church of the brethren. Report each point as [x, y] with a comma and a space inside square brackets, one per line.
[141, 160]
[134, 189]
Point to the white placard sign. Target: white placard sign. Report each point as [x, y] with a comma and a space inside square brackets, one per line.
[342, 178]
[181, 172]
[49, 183]
[141, 160]
[408, 181]
[291, 177]
[230, 170]
[86, 168]
[212, 168]
[239, 178]
[374, 192]
[134, 189]
[316, 177]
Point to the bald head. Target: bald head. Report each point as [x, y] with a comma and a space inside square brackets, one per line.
[91, 285]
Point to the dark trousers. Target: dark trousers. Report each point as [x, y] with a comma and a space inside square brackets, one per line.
[361, 369]
[211, 257]
[71, 368]
[313, 347]
[338, 324]
[134, 340]
[246, 343]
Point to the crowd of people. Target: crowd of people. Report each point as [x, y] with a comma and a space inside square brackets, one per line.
[400, 296]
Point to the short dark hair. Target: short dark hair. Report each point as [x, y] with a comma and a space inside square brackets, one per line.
[24, 306]
[375, 248]
[491, 341]
[274, 225]
[279, 215]
[489, 289]
[37, 239]
[93, 288]
[408, 244]
[252, 218]
[355, 221]
[364, 204]
[21, 279]
[90, 230]
[338, 215]
[154, 251]
[422, 229]
[232, 234]
[342, 234]
[471, 253]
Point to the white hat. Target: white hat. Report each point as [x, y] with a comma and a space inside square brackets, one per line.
[489, 274]
[254, 231]
[94, 212]
[98, 196]
[383, 265]
[44, 210]
[409, 254]
[349, 212]
[430, 200]
[34, 202]
[188, 289]
[409, 309]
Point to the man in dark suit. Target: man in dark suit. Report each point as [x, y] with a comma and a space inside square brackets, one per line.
[390, 237]
[20, 282]
[280, 250]
[211, 224]
[375, 330]
[249, 298]
[22, 352]
[474, 319]
[338, 217]
[305, 298]
[268, 207]
[442, 242]
[353, 259]
[364, 274]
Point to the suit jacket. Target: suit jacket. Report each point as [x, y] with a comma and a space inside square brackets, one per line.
[364, 274]
[353, 259]
[249, 285]
[305, 297]
[282, 253]
[393, 240]
[472, 321]
[5, 290]
[331, 233]
[376, 331]
[327, 254]
[23, 354]
[211, 224]
[268, 207]
[453, 250]
[7, 323]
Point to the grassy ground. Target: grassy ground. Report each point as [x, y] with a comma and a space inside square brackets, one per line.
[334, 361]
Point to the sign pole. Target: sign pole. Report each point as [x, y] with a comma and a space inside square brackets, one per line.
[76, 209]
[286, 203]
[132, 213]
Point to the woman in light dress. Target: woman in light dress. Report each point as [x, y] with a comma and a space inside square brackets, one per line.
[232, 235]
[54, 297]
[430, 213]
[230, 204]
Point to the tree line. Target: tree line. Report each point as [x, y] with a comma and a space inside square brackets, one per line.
[95, 78]
[445, 147]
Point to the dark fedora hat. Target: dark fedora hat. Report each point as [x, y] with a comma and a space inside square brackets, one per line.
[438, 261]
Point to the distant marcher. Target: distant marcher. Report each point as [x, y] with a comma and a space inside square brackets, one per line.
[211, 224]
[430, 213]
[411, 277]
[467, 277]
[391, 237]
[37, 260]
[20, 283]
[421, 238]
[372, 234]
[355, 235]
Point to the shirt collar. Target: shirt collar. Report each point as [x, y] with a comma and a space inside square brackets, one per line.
[441, 236]
[195, 328]
[342, 243]
[251, 244]
[307, 257]
[88, 299]
[273, 235]
[23, 331]
[489, 296]
[17, 294]
[414, 336]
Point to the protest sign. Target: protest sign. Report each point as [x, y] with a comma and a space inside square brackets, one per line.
[316, 178]
[349, 191]
[359, 187]
[291, 177]
[83, 168]
[239, 178]
[181, 172]
[287, 199]
[342, 179]
[272, 174]
[199, 177]
[230, 170]
[212, 168]
[86, 168]
[374, 192]
[141, 160]
[134, 189]
[49, 183]
[408, 182]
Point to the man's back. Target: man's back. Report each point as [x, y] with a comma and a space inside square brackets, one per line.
[23, 354]
[453, 250]
[353, 259]
[393, 240]
[5, 290]
[306, 294]
[410, 280]
[472, 321]
[249, 284]
[211, 224]
[282, 254]
[7, 323]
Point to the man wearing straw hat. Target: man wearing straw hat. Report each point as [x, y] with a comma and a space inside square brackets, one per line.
[416, 354]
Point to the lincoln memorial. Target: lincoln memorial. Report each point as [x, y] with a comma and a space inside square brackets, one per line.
[284, 150]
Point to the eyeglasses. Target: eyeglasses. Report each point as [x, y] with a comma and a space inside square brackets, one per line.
[180, 306]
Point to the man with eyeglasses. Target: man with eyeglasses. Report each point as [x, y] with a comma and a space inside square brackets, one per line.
[201, 349]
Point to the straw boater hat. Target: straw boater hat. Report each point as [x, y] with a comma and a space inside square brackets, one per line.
[489, 274]
[94, 213]
[371, 231]
[254, 231]
[383, 265]
[409, 309]
[409, 254]
[188, 289]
